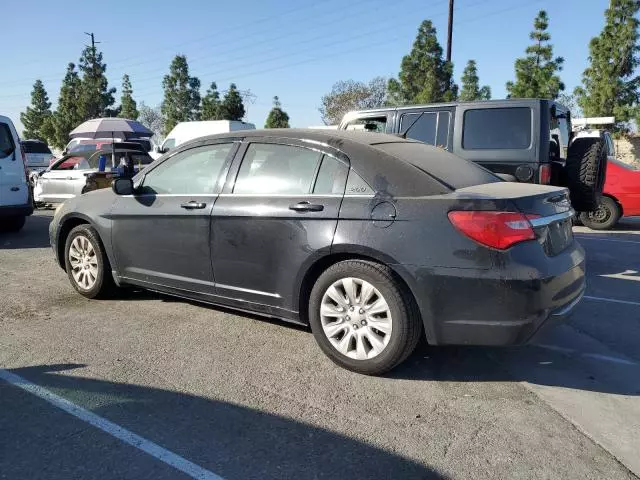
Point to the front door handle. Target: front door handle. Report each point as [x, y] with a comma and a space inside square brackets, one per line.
[193, 205]
[306, 207]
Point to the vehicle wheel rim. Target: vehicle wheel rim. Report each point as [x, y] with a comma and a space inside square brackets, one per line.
[601, 215]
[356, 318]
[84, 262]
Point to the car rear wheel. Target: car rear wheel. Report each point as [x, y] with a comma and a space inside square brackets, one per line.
[363, 318]
[87, 264]
[604, 217]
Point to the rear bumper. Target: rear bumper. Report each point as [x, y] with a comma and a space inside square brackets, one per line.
[501, 306]
[16, 210]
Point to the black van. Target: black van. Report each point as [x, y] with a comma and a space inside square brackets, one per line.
[525, 140]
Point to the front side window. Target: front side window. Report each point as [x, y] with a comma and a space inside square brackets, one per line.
[191, 172]
[497, 129]
[369, 124]
[6, 141]
[168, 144]
[276, 169]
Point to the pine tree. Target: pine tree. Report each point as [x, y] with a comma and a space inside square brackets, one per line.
[610, 86]
[536, 74]
[68, 115]
[181, 94]
[471, 89]
[96, 97]
[211, 104]
[277, 117]
[36, 116]
[128, 106]
[232, 107]
[425, 77]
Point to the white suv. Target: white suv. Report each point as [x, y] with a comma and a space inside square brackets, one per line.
[15, 196]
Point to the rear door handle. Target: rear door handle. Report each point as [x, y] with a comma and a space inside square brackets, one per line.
[193, 205]
[306, 207]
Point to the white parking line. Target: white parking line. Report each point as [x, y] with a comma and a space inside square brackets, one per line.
[626, 275]
[612, 300]
[147, 446]
[582, 237]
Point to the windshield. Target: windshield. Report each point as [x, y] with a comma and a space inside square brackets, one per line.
[627, 166]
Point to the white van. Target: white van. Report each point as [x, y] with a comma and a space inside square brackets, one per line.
[185, 131]
[15, 198]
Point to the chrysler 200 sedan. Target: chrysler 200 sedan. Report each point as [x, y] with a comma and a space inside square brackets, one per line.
[370, 239]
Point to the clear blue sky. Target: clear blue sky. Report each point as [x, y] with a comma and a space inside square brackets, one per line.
[295, 50]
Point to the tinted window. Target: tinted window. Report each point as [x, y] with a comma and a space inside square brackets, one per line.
[370, 124]
[331, 177]
[421, 127]
[357, 186]
[35, 147]
[497, 129]
[141, 159]
[611, 149]
[282, 169]
[450, 169]
[195, 172]
[6, 141]
[442, 139]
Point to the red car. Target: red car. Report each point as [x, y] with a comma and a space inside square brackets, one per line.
[621, 196]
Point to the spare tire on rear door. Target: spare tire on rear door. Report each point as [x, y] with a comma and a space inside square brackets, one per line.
[585, 172]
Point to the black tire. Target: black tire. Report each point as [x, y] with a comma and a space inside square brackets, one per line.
[585, 172]
[405, 319]
[604, 217]
[12, 224]
[104, 286]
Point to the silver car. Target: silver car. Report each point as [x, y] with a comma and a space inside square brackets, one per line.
[67, 177]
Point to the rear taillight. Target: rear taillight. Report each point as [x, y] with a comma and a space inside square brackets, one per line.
[545, 174]
[498, 230]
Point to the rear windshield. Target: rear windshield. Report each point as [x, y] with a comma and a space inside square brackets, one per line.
[449, 169]
[35, 147]
[497, 129]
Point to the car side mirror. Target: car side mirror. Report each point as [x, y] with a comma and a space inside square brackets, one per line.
[160, 150]
[122, 186]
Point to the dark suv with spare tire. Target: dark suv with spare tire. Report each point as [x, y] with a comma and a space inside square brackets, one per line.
[524, 140]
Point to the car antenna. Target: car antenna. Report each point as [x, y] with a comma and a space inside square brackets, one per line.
[404, 134]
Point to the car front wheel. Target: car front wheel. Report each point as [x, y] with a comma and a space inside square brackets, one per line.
[87, 264]
[362, 317]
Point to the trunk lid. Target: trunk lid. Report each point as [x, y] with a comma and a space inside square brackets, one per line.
[548, 209]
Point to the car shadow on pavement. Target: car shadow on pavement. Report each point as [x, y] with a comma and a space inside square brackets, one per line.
[34, 234]
[233, 441]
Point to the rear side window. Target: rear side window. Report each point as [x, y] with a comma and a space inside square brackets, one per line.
[277, 169]
[7, 146]
[449, 169]
[430, 127]
[35, 147]
[497, 129]
[331, 177]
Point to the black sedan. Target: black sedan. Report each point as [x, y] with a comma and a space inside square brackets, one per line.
[370, 239]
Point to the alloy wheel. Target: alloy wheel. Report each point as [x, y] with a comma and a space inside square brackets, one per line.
[84, 262]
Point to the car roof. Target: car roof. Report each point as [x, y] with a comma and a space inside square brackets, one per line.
[327, 137]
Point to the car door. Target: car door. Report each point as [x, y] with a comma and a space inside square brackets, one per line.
[161, 233]
[277, 215]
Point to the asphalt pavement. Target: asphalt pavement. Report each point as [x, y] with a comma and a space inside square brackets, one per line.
[147, 386]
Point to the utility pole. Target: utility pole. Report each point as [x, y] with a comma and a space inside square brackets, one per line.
[450, 30]
[93, 52]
